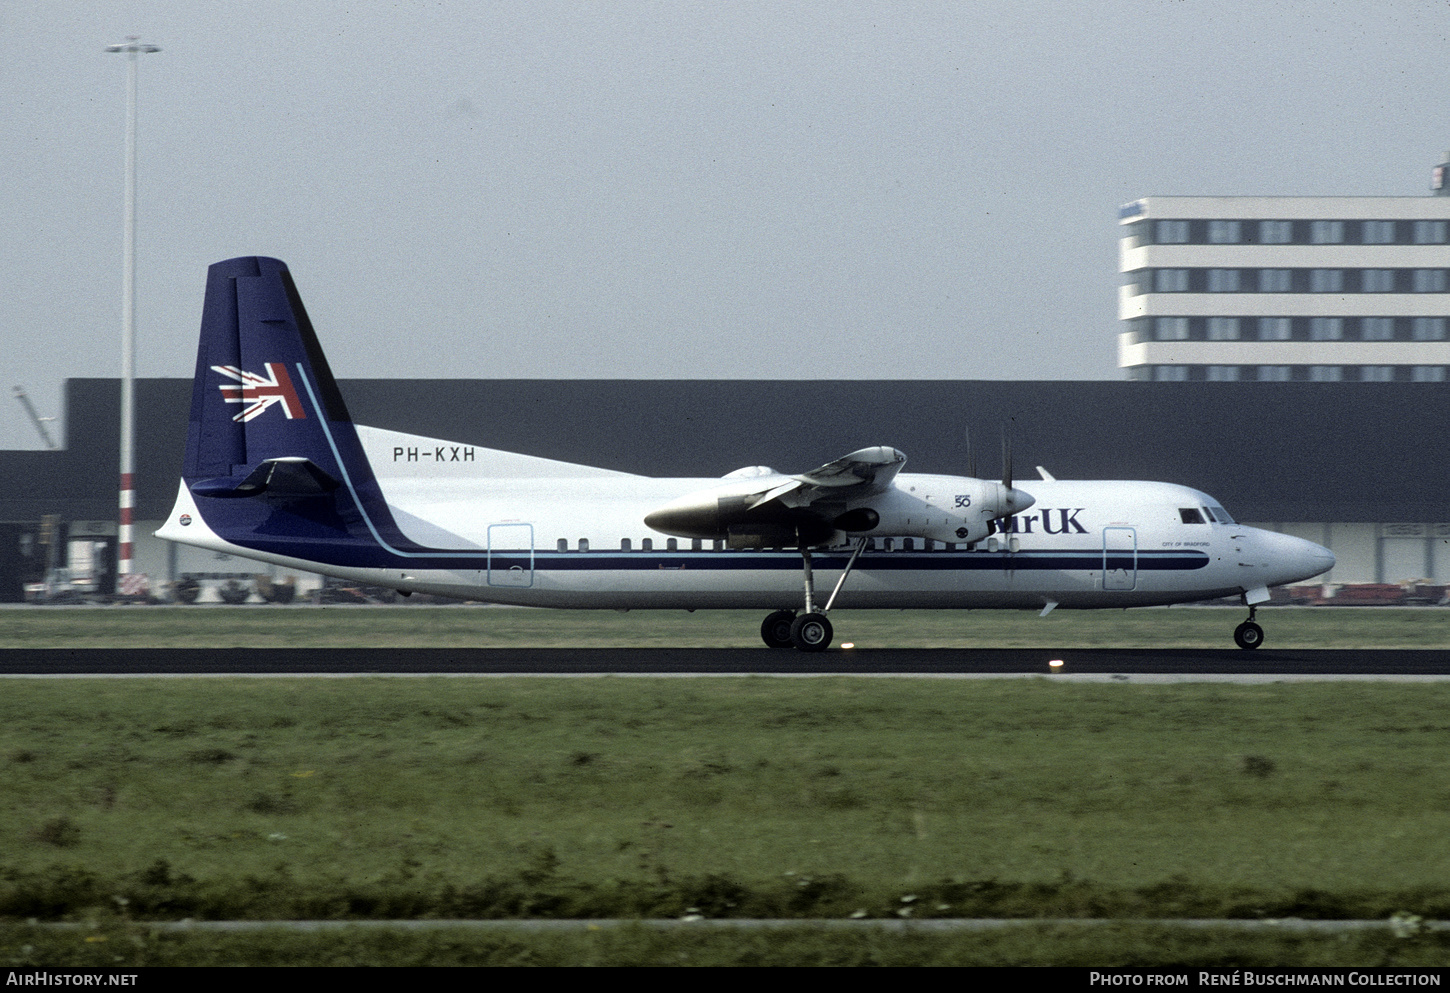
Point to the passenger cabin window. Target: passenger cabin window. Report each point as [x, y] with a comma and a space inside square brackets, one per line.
[1190, 515]
[624, 545]
[647, 544]
[583, 544]
[563, 544]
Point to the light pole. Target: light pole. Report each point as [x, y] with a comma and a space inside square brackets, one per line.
[133, 48]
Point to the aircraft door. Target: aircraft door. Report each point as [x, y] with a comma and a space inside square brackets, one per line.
[1120, 558]
[511, 555]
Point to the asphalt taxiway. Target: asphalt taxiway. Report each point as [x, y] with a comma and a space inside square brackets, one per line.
[1178, 663]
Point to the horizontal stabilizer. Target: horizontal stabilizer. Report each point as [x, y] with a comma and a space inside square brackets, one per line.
[284, 477]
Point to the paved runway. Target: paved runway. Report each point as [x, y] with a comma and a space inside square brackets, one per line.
[719, 661]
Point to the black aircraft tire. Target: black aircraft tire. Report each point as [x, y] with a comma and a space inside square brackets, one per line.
[811, 632]
[775, 629]
[1248, 635]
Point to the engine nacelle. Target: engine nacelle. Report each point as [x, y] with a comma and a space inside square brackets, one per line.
[950, 509]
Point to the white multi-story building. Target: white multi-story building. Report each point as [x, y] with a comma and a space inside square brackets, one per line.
[1285, 288]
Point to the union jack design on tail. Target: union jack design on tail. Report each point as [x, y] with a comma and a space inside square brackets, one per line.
[260, 392]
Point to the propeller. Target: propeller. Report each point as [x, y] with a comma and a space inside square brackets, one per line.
[1006, 500]
[1010, 500]
[1007, 454]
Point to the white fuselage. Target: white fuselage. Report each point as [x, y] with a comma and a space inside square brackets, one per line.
[518, 530]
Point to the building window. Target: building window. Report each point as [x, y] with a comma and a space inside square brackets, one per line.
[1223, 329]
[1273, 374]
[1378, 233]
[1276, 232]
[1170, 328]
[1326, 280]
[1223, 280]
[1275, 280]
[1430, 232]
[1428, 329]
[1170, 232]
[1429, 281]
[1325, 373]
[1427, 374]
[1170, 280]
[1223, 373]
[1275, 329]
[1326, 232]
[1377, 280]
[1170, 373]
[1376, 374]
[1326, 328]
[1223, 232]
[1376, 329]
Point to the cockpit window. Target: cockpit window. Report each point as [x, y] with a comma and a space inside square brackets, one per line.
[1219, 514]
[1191, 515]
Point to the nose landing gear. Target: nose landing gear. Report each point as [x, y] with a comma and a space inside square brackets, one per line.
[1248, 634]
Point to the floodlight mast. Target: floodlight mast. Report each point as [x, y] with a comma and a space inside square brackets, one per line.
[133, 48]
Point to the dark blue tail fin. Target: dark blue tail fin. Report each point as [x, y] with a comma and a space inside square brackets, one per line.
[272, 458]
[262, 389]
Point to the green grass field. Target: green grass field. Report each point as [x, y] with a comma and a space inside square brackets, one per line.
[466, 626]
[127, 801]
[741, 797]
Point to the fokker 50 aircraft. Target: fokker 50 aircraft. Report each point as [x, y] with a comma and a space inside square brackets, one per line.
[277, 471]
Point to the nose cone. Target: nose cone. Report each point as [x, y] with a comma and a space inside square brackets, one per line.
[1016, 501]
[1293, 560]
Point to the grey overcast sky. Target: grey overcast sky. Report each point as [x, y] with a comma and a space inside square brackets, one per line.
[771, 190]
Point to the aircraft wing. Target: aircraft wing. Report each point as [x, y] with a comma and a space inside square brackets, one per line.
[740, 506]
[867, 470]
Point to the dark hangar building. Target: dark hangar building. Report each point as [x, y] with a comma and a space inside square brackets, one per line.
[1359, 467]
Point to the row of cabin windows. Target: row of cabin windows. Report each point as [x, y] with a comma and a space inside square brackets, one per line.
[645, 545]
[872, 545]
[1230, 232]
[1290, 373]
[1287, 329]
[1142, 281]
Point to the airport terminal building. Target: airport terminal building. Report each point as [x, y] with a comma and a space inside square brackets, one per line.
[1285, 289]
[1359, 467]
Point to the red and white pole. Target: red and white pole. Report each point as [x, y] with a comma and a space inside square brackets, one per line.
[124, 544]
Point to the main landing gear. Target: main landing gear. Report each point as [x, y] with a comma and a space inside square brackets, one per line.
[1248, 634]
[809, 631]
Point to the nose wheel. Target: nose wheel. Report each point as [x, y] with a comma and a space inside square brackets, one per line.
[1248, 634]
